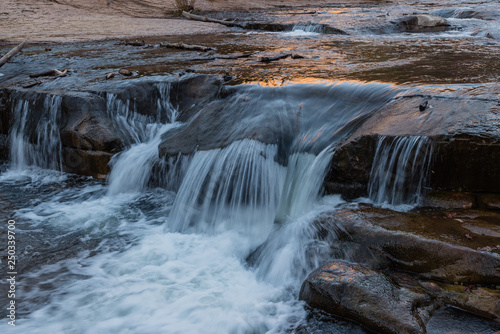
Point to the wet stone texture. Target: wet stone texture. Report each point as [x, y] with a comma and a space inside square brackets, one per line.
[367, 297]
[418, 261]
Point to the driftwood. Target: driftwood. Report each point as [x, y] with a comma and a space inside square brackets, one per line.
[54, 73]
[185, 46]
[239, 56]
[208, 19]
[278, 57]
[137, 43]
[11, 54]
[32, 84]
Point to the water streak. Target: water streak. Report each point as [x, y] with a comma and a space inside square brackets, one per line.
[400, 169]
[36, 142]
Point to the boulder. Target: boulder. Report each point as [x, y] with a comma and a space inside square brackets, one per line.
[423, 23]
[349, 171]
[368, 297]
[465, 134]
[438, 245]
[86, 124]
[86, 162]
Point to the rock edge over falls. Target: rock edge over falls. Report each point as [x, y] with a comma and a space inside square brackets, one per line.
[397, 268]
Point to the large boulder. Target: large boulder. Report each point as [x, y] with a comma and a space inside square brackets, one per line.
[368, 297]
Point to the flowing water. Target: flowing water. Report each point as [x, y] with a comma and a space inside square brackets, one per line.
[399, 170]
[215, 242]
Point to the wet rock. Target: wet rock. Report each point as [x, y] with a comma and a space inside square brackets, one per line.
[350, 168]
[4, 147]
[86, 162]
[431, 244]
[194, 91]
[465, 135]
[86, 125]
[125, 72]
[478, 300]
[489, 201]
[449, 200]
[423, 23]
[368, 297]
[467, 163]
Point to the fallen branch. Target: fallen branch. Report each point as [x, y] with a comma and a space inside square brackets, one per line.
[11, 54]
[32, 84]
[137, 43]
[55, 73]
[239, 56]
[208, 19]
[184, 46]
[278, 57]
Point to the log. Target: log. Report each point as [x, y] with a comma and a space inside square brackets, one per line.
[185, 46]
[11, 54]
[278, 57]
[137, 43]
[208, 19]
[55, 73]
[239, 56]
[32, 84]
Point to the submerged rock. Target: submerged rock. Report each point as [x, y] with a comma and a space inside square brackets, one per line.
[368, 297]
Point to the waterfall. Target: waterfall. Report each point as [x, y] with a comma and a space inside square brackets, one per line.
[36, 142]
[303, 183]
[308, 28]
[237, 187]
[400, 169]
[132, 169]
[135, 125]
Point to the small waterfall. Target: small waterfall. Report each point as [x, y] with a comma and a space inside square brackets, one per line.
[400, 169]
[36, 142]
[304, 179]
[237, 188]
[135, 125]
[132, 169]
[308, 28]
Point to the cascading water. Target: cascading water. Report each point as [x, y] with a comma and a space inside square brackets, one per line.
[400, 169]
[235, 188]
[131, 170]
[186, 258]
[36, 142]
[310, 28]
[138, 126]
